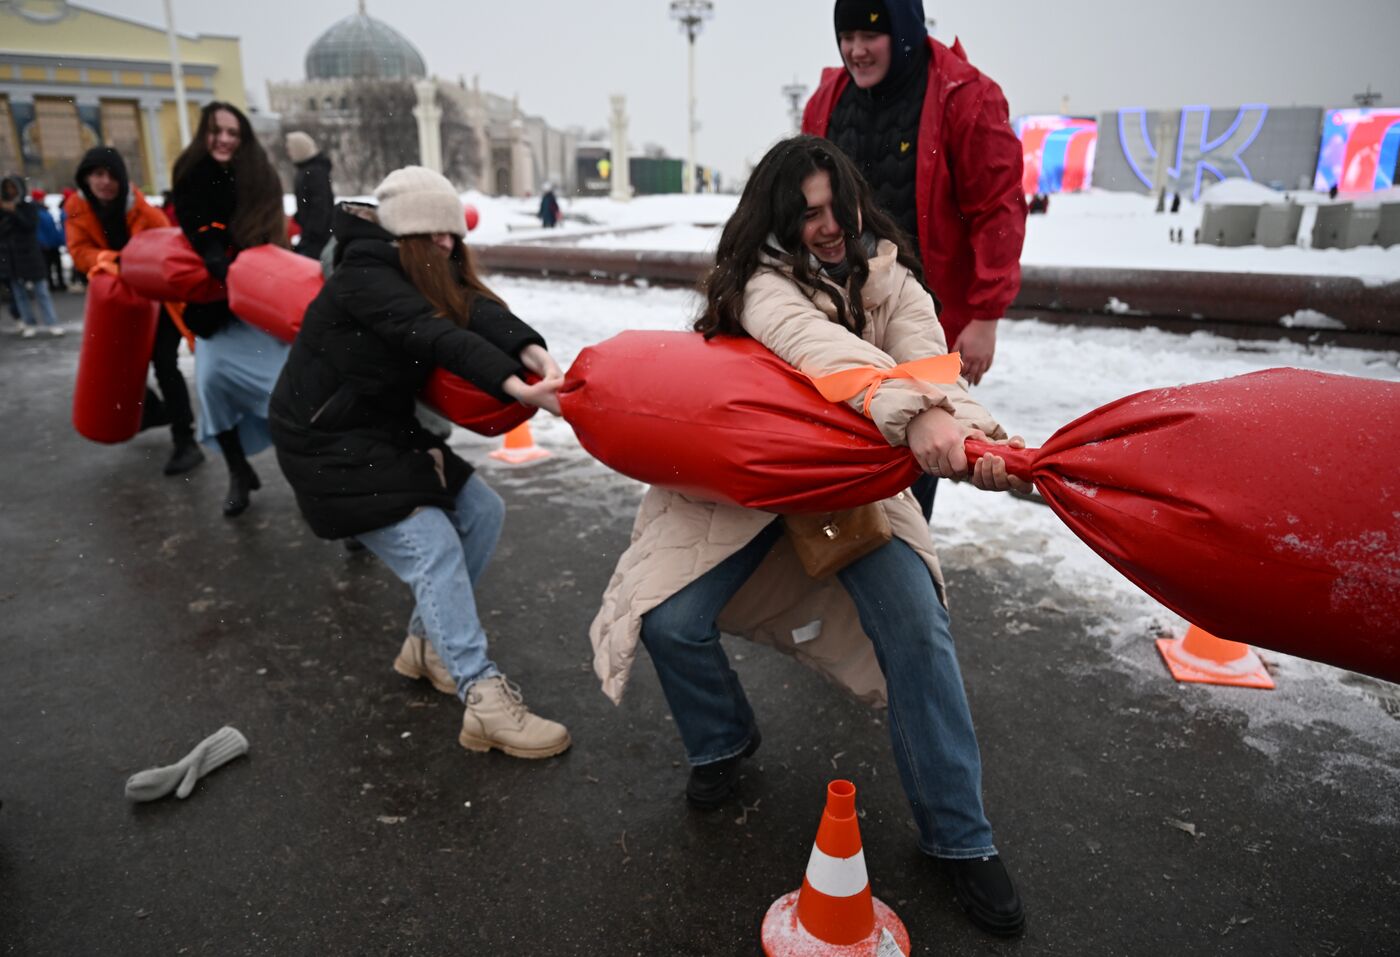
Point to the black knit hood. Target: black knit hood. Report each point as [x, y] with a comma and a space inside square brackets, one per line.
[111, 215]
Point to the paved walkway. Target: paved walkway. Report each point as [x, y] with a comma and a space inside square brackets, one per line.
[1139, 817]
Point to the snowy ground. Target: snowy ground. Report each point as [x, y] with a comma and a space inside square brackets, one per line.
[1045, 376]
[1094, 228]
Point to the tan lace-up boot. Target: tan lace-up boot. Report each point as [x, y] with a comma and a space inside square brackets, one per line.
[497, 718]
[417, 659]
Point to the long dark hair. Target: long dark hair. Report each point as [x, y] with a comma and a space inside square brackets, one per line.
[258, 216]
[772, 208]
[449, 281]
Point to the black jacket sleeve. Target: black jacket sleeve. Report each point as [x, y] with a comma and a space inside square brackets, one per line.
[384, 301]
[499, 326]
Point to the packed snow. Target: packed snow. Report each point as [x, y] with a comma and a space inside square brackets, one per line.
[1092, 228]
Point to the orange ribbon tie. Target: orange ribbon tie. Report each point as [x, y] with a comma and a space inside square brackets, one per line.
[840, 386]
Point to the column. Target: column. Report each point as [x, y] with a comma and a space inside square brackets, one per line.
[621, 172]
[155, 145]
[429, 117]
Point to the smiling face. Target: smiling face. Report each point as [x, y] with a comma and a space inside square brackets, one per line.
[223, 137]
[821, 233]
[866, 55]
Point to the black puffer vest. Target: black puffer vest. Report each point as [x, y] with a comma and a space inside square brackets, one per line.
[878, 129]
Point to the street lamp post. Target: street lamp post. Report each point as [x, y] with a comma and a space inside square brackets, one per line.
[691, 15]
[795, 93]
[177, 72]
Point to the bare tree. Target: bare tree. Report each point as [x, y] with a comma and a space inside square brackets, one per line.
[371, 131]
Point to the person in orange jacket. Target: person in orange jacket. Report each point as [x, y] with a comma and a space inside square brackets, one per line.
[102, 216]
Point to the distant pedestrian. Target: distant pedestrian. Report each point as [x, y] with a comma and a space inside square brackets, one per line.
[403, 300]
[101, 218]
[22, 265]
[315, 198]
[549, 208]
[51, 242]
[227, 197]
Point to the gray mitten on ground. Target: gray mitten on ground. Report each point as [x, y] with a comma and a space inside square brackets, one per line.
[218, 749]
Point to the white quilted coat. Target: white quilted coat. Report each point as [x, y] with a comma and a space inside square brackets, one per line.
[676, 539]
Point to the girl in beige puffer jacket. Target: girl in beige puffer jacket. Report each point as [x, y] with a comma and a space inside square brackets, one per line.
[809, 267]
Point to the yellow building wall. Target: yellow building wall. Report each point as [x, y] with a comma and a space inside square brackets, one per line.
[85, 33]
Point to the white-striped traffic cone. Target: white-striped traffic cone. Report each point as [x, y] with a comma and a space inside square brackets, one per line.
[833, 913]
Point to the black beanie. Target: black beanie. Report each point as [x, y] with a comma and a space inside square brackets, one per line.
[870, 16]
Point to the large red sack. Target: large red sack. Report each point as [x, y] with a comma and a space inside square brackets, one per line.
[270, 287]
[1263, 508]
[726, 421]
[162, 265]
[119, 332]
[462, 403]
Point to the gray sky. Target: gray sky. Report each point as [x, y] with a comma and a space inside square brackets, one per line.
[564, 57]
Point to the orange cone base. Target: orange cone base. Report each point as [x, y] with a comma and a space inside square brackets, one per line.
[520, 456]
[1245, 672]
[784, 936]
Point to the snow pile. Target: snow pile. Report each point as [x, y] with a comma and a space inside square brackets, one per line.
[1240, 192]
[1095, 228]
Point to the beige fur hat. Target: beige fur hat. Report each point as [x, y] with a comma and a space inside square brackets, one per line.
[416, 201]
[300, 146]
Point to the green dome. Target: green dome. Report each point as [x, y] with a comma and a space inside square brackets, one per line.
[361, 47]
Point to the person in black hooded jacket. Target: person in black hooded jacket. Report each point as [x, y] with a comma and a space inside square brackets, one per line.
[404, 299]
[315, 200]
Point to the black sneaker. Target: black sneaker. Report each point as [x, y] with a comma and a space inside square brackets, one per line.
[186, 455]
[985, 891]
[710, 785]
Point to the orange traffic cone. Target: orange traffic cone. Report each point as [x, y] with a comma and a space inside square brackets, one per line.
[1202, 657]
[520, 447]
[833, 913]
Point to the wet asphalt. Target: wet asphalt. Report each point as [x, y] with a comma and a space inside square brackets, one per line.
[1138, 817]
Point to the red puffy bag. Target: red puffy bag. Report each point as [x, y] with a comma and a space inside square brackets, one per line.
[270, 287]
[119, 332]
[462, 403]
[726, 420]
[161, 264]
[1264, 508]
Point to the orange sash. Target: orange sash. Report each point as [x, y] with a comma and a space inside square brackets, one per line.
[840, 386]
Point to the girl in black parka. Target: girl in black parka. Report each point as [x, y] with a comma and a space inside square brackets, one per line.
[403, 300]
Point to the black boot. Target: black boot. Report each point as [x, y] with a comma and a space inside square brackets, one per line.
[185, 456]
[241, 484]
[712, 784]
[242, 480]
[985, 891]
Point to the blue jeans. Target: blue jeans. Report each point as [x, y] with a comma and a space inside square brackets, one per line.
[440, 555]
[935, 747]
[42, 300]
